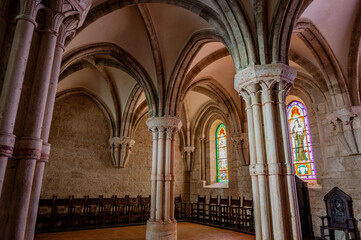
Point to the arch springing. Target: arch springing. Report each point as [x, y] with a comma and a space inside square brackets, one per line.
[300, 140]
[221, 152]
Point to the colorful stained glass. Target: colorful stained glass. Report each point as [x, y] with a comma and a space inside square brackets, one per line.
[301, 141]
[221, 150]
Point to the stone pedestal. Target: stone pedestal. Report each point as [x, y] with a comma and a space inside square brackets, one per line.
[264, 88]
[161, 230]
[162, 224]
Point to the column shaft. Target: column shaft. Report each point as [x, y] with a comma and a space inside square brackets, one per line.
[262, 180]
[154, 174]
[40, 165]
[11, 90]
[274, 172]
[160, 177]
[172, 177]
[290, 177]
[254, 177]
[28, 149]
[167, 177]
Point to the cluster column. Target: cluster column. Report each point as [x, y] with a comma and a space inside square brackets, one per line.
[27, 101]
[264, 88]
[13, 81]
[162, 224]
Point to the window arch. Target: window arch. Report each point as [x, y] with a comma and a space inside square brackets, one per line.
[221, 152]
[300, 140]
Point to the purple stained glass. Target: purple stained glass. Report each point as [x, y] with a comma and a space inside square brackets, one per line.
[221, 152]
[300, 138]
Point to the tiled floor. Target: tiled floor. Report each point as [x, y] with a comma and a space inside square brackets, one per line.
[186, 231]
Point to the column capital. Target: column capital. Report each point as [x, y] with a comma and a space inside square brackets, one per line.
[68, 20]
[264, 76]
[347, 125]
[120, 148]
[189, 149]
[168, 123]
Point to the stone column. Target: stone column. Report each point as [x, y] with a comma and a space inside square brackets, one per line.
[252, 166]
[283, 91]
[40, 164]
[162, 224]
[13, 81]
[274, 190]
[29, 146]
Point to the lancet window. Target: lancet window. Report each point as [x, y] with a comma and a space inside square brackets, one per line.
[221, 151]
[300, 140]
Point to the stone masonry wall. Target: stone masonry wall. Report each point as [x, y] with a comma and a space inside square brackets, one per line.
[335, 169]
[239, 179]
[80, 162]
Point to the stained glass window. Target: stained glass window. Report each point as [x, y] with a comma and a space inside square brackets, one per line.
[300, 137]
[221, 150]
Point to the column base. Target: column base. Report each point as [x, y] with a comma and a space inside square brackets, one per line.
[161, 230]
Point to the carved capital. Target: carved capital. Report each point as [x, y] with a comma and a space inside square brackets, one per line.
[169, 124]
[28, 9]
[120, 148]
[240, 143]
[188, 149]
[71, 16]
[346, 123]
[267, 73]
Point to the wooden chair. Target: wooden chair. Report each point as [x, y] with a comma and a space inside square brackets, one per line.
[145, 208]
[106, 213]
[223, 211]
[46, 213]
[92, 211]
[235, 210]
[77, 211]
[120, 209]
[211, 211]
[339, 215]
[134, 209]
[247, 215]
[197, 209]
[180, 208]
[62, 212]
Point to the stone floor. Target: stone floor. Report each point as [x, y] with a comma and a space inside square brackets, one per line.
[186, 231]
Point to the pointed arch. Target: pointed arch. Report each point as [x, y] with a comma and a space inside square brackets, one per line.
[330, 68]
[125, 60]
